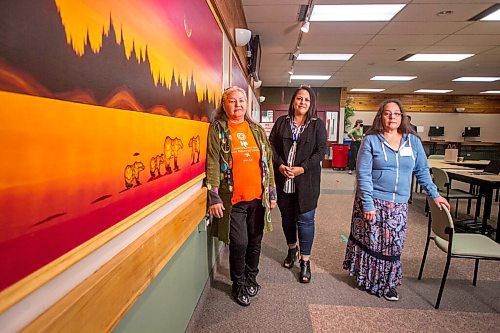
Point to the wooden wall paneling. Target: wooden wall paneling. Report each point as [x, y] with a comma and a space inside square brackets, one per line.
[100, 301]
[430, 103]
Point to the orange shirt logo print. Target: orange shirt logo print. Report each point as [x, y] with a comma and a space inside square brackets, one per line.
[243, 139]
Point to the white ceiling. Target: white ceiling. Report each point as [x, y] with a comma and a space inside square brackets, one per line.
[377, 46]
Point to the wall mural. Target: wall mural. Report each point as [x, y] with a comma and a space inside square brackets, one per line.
[104, 110]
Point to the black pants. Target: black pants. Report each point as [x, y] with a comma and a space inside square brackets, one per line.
[245, 237]
[353, 154]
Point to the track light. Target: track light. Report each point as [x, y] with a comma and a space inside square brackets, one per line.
[305, 27]
[296, 54]
[290, 72]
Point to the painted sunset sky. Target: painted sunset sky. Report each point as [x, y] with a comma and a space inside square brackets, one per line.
[178, 35]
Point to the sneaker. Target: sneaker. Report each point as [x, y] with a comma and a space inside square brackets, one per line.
[252, 287]
[240, 295]
[350, 172]
[392, 295]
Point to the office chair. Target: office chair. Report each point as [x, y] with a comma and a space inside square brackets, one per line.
[455, 245]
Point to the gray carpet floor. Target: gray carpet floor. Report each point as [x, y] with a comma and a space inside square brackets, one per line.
[333, 303]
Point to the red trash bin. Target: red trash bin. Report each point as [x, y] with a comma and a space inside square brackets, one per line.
[339, 158]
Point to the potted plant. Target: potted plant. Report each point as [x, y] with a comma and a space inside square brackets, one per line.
[348, 112]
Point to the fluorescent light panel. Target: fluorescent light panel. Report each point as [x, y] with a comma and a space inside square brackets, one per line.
[329, 13]
[490, 92]
[476, 79]
[366, 90]
[490, 14]
[326, 56]
[433, 91]
[495, 16]
[392, 78]
[438, 57]
[310, 77]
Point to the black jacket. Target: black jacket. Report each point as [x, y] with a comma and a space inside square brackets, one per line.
[310, 152]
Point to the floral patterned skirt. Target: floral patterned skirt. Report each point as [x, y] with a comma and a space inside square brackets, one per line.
[373, 253]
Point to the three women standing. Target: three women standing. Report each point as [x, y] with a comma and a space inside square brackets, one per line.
[298, 142]
[241, 189]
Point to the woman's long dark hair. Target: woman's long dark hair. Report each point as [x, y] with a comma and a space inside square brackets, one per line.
[378, 127]
[220, 114]
[312, 112]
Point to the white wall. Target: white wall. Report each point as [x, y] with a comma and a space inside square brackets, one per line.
[454, 124]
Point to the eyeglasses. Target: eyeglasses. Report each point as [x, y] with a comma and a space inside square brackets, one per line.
[393, 114]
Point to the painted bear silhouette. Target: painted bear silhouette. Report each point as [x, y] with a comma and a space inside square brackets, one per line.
[131, 174]
[154, 165]
[194, 144]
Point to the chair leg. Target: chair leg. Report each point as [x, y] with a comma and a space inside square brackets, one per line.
[476, 268]
[423, 259]
[426, 209]
[443, 281]
[456, 209]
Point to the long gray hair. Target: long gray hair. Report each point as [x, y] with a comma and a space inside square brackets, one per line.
[220, 114]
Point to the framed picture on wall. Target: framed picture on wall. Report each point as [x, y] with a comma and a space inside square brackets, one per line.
[267, 116]
[332, 125]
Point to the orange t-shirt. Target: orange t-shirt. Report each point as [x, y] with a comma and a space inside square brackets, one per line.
[247, 174]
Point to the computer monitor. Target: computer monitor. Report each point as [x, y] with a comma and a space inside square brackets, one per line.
[436, 131]
[472, 132]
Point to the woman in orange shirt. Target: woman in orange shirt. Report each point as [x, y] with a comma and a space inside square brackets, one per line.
[241, 190]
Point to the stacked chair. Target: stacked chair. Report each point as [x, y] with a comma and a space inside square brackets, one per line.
[445, 189]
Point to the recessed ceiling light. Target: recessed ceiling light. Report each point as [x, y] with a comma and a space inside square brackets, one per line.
[433, 91]
[477, 79]
[366, 90]
[392, 78]
[310, 77]
[490, 92]
[330, 56]
[490, 14]
[437, 57]
[355, 12]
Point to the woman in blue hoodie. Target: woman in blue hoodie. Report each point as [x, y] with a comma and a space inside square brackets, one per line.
[390, 152]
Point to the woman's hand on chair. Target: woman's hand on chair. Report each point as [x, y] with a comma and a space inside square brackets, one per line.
[442, 201]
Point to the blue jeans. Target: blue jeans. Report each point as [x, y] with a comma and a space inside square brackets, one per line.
[292, 220]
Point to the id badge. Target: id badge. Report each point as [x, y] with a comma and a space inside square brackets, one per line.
[405, 151]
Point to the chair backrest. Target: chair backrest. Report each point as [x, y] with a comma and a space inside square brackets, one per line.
[436, 157]
[440, 178]
[441, 219]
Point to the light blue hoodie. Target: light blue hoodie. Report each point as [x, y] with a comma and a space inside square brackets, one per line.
[386, 174]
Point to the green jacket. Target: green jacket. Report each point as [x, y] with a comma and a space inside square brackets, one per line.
[219, 179]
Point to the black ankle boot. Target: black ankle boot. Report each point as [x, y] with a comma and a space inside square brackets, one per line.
[240, 295]
[293, 254]
[252, 287]
[305, 271]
